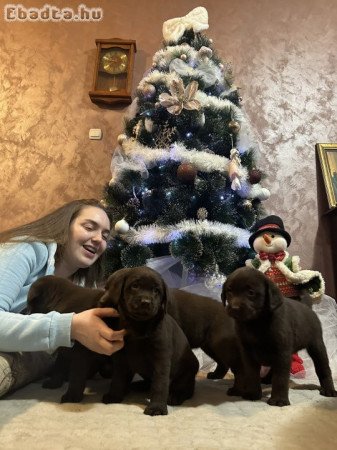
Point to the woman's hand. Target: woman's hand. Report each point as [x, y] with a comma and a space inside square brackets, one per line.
[89, 329]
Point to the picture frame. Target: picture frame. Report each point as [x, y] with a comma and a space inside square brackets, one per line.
[328, 159]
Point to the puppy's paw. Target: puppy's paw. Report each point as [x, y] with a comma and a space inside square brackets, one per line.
[278, 401]
[52, 383]
[257, 395]
[328, 392]
[70, 397]
[178, 398]
[111, 398]
[156, 409]
[234, 392]
[217, 374]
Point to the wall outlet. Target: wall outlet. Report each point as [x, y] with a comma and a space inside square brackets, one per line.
[95, 133]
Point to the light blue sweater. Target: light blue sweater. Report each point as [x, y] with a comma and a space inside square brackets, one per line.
[20, 265]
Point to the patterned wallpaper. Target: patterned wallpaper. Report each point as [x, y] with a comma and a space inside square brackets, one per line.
[284, 59]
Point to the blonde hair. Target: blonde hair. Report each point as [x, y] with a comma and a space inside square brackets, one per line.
[54, 227]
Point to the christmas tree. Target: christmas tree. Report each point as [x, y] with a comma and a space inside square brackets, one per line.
[184, 177]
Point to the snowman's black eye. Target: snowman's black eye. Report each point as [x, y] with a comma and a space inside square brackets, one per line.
[272, 235]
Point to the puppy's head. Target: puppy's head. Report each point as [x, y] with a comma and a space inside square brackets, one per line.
[138, 293]
[53, 293]
[248, 294]
[43, 294]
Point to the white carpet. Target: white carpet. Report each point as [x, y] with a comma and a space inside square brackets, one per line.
[33, 419]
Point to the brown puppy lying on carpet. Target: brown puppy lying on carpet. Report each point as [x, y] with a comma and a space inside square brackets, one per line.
[52, 293]
[155, 346]
[271, 328]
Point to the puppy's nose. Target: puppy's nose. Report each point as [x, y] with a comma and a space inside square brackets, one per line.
[235, 304]
[145, 302]
[267, 238]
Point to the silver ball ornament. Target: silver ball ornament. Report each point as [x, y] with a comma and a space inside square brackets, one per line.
[149, 90]
[122, 227]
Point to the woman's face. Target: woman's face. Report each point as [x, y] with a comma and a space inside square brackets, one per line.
[88, 235]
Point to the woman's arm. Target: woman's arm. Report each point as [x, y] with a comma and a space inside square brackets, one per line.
[37, 332]
[20, 265]
[47, 332]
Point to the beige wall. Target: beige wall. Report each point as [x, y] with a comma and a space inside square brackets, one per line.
[284, 58]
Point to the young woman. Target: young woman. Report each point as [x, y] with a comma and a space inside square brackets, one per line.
[69, 242]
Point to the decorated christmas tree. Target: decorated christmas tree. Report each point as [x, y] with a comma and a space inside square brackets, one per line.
[185, 183]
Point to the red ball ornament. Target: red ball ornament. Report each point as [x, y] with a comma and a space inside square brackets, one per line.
[187, 173]
[254, 176]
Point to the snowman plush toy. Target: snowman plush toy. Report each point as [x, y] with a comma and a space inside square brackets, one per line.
[270, 241]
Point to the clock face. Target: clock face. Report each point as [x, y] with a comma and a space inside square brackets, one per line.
[115, 61]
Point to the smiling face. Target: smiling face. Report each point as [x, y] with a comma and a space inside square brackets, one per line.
[269, 242]
[88, 234]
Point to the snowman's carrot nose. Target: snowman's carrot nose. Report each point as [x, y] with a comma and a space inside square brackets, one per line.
[267, 238]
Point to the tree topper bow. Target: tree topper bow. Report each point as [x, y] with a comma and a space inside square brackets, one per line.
[180, 97]
[173, 29]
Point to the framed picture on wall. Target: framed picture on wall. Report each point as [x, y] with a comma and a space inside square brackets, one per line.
[328, 158]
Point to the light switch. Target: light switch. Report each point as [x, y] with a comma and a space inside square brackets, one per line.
[95, 133]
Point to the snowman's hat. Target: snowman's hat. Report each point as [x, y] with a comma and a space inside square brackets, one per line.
[269, 223]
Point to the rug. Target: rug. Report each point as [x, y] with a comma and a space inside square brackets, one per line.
[33, 419]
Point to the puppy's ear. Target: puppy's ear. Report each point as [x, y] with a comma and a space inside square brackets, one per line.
[114, 289]
[33, 293]
[36, 301]
[274, 295]
[223, 293]
[166, 295]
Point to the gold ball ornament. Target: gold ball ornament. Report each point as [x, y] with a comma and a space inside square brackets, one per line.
[247, 203]
[202, 213]
[121, 138]
[234, 126]
[122, 227]
[187, 173]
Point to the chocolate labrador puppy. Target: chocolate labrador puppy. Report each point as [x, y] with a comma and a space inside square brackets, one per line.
[208, 326]
[271, 328]
[155, 346]
[52, 293]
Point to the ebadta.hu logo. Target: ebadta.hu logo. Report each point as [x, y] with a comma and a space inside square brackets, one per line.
[21, 13]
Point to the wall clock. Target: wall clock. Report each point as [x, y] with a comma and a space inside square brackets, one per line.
[113, 71]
